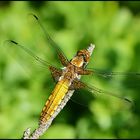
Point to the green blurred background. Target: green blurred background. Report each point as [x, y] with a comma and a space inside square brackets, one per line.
[114, 27]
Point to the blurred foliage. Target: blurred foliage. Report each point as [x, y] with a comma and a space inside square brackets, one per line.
[114, 27]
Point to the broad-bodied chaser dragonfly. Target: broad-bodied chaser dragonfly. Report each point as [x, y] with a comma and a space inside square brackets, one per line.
[67, 81]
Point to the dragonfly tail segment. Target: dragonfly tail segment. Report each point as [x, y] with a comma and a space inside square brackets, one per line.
[44, 126]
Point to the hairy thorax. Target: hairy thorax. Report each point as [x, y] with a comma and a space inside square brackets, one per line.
[69, 73]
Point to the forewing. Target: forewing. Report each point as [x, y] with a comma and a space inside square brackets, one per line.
[107, 74]
[130, 79]
[60, 53]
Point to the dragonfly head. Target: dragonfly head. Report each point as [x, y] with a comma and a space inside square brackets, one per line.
[82, 57]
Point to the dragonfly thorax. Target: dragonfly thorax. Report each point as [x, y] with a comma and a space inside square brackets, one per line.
[69, 73]
[82, 57]
[77, 61]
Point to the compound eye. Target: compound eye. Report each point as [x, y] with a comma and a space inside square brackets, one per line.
[85, 57]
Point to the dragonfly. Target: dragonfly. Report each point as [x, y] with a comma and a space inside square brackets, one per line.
[68, 79]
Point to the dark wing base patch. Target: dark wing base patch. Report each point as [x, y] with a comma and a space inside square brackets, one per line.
[56, 73]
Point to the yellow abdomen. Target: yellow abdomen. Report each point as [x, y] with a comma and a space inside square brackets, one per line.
[54, 100]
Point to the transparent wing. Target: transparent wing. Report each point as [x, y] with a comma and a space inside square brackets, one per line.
[60, 53]
[130, 79]
[107, 74]
[28, 51]
[56, 72]
[92, 89]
